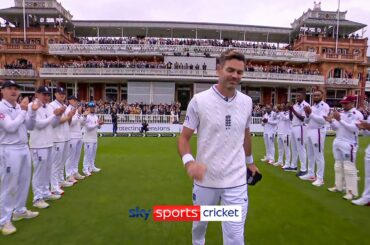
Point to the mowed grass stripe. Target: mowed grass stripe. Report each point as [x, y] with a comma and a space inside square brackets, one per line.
[143, 172]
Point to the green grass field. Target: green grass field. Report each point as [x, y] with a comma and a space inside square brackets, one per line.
[143, 172]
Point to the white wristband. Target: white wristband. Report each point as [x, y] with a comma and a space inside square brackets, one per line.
[249, 159]
[187, 158]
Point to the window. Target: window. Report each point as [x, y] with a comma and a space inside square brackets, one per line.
[334, 96]
[255, 94]
[111, 92]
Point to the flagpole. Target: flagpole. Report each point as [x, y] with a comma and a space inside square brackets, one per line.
[336, 40]
[24, 22]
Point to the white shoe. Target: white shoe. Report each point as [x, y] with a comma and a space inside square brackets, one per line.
[334, 189]
[349, 196]
[264, 159]
[285, 166]
[58, 192]
[78, 176]
[8, 229]
[72, 179]
[53, 197]
[67, 184]
[307, 177]
[26, 215]
[95, 169]
[361, 202]
[318, 182]
[270, 162]
[87, 173]
[41, 204]
[276, 164]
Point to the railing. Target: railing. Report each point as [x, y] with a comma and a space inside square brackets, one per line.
[145, 49]
[341, 56]
[63, 72]
[18, 73]
[133, 118]
[342, 82]
[22, 48]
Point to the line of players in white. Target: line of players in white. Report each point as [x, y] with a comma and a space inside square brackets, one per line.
[57, 132]
[301, 132]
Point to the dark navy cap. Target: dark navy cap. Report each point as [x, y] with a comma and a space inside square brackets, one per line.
[9, 83]
[60, 90]
[72, 97]
[43, 90]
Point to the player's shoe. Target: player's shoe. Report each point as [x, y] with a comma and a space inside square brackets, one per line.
[86, 173]
[271, 162]
[41, 204]
[334, 189]
[95, 170]
[277, 164]
[53, 197]
[8, 229]
[67, 184]
[318, 182]
[285, 167]
[307, 177]
[301, 173]
[349, 196]
[72, 179]
[26, 215]
[78, 176]
[264, 159]
[361, 202]
[58, 192]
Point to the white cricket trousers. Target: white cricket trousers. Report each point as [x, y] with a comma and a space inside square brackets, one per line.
[15, 179]
[59, 157]
[233, 232]
[41, 159]
[366, 193]
[284, 148]
[299, 147]
[89, 156]
[75, 147]
[315, 152]
[269, 140]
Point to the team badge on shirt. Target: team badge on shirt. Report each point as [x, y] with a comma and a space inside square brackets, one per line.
[228, 122]
[2, 116]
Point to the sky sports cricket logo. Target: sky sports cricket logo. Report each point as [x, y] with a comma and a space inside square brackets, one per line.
[189, 213]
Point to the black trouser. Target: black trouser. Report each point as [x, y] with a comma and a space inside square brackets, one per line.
[114, 128]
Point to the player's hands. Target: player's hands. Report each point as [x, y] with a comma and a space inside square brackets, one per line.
[328, 118]
[100, 122]
[363, 125]
[87, 112]
[265, 120]
[196, 170]
[36, 105]
[71, 113]
[253, 168]
[59, 111]
[79, 110]
[336, 115]
[24, 104]
[307, 110]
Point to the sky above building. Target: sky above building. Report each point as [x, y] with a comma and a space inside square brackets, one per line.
[246, 12]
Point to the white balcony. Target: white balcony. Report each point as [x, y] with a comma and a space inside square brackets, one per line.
[17, 73]
[172, 74]
[342, 82]
[156, 49]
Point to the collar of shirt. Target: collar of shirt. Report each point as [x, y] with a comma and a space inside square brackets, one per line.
[56, 101]
[10, 105]
[227, 99]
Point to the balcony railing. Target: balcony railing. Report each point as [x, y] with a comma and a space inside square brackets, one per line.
[134, 118]
[334, 56]
[342, 82]
[19, 48]
[155, 49]
[17, 73]
[151, 73]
